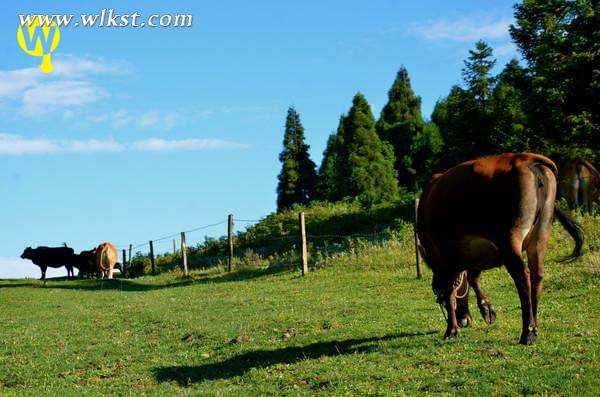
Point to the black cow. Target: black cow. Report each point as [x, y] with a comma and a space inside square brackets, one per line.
[45, 257]
[84, 261]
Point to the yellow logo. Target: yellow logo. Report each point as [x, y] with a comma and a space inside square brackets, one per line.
[39, 40]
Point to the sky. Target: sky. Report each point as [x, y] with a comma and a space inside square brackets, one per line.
[140, 133]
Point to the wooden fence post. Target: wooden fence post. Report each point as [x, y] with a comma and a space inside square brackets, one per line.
[417, 253]
[230, 241]
[303, 249]
[152, 257]
[174, 248]
[130, 254]
[124, 262]
[184, 254]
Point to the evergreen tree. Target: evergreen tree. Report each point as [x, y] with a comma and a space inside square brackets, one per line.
[367, 172]
[401, 124]
[457, 116]
[330, 174]
[425, 152]
[476, 73]
[464, 117]
[298, 177]
[560, 40]
[508, 111]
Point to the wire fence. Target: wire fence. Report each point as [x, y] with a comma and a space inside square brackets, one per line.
[293, 243]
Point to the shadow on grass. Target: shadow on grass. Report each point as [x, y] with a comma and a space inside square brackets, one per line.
[239, 365]
[137, 285]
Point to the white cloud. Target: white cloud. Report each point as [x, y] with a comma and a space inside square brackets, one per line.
[70, 66]
[163, 145]
[15, 267]
[68, 86]
[464, 29]
[57, 95]
[15, 82]
[156, 118]
[122, 118]
[91, 146]
[16, 145]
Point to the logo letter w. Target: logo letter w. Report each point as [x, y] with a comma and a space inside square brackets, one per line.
[44, 38]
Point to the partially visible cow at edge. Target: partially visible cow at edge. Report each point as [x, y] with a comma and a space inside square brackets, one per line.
[45, 257]
[482, 214]
[579, 184]
[106, 259]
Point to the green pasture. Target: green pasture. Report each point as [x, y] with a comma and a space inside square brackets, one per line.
[359, 324]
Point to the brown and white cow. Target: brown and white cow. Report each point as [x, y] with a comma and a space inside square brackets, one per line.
[106, 258]
[579, 184]
[482, 214]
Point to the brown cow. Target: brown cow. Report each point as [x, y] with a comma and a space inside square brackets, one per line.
[579, 184]
[106, 258]
[485, 213]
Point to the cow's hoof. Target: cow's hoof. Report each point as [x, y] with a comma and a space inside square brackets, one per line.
[488, 312]
[465, 321]
[528, 339]
[451, 334]
[529, 336]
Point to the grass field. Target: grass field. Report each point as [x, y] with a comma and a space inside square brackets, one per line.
[359, 325]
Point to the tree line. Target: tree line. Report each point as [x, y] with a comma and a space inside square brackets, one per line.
[550, 104]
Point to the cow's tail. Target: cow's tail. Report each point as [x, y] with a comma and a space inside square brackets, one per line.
[574, 229]
[103, 252]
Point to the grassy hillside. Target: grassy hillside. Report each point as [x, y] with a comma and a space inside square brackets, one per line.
[361, 324]
[331, 228]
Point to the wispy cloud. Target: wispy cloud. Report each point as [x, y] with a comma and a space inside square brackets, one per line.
[124, 118]
[71, 66]
[470, 28]
[13, 83]
[60, 95]
[68, 87]
[16, 145]
[158, 119]
[163, 145]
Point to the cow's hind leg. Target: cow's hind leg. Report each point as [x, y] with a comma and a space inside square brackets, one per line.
[487, 310]
[463, 315]
[520, 274]
[443, 287]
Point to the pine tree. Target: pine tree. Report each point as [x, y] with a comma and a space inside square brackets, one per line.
[464, 117]
[401, 124]
[367, 172]
[298, 176]
[476, 73]
[425, 153]
[330, 174]
[453, 116]
[508, 109]
[560, 41]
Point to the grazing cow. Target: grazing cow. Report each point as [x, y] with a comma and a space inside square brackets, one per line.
[579, 184]
[485, 213]
[45, 257]
[106, 258]
[85, 261]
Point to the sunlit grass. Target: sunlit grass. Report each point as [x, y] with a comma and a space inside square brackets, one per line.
[360, 324]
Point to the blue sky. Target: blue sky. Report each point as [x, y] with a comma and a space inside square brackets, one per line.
[141, 133]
